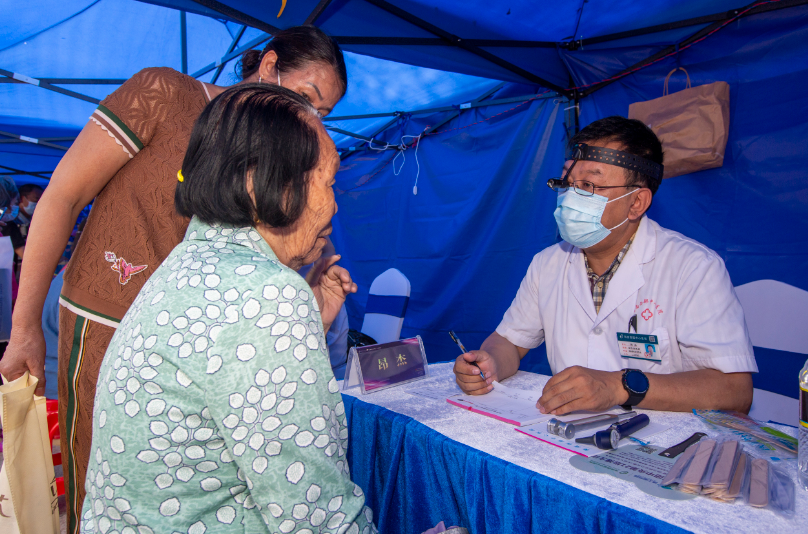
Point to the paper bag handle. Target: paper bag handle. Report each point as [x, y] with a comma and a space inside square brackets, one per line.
[668, 77]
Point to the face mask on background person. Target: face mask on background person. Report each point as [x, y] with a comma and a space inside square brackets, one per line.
[29, 209]
[10, 214]
[578, 218]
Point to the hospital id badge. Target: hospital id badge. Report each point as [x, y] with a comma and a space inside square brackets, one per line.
[639, 347]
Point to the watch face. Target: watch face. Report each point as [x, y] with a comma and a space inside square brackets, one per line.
[637, 381]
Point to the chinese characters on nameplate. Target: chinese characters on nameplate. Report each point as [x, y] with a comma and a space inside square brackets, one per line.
[375, 367]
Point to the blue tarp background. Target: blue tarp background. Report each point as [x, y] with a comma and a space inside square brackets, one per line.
[483, 209]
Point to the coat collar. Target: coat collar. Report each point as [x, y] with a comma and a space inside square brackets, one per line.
[227, 236]
[625, 282]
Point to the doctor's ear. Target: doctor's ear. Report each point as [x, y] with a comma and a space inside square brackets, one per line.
[642, 201]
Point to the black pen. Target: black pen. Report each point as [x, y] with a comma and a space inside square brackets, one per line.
[459, 344]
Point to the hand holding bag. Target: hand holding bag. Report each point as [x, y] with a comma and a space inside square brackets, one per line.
[693, 125]
[28, 500]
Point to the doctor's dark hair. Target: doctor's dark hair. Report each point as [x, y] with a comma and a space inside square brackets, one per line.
[635, 137]
[297, 47]
[258, 130]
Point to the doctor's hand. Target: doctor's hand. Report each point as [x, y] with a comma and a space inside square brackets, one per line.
[468, 376]
[578, 388]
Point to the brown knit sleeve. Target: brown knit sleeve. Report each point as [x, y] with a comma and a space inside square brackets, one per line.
[133, 112]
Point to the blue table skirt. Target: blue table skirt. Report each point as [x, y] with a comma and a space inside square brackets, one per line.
[413, 477]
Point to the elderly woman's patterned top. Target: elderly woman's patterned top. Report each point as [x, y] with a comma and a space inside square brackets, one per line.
[216, 408]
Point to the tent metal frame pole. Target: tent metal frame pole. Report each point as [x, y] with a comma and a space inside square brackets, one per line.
[426, 111]
[316, 12]
[45, 85]
[230, 48]
[238, 16]
[34, 140]
[355, 135]
[35, 174]
[352, 149]
[707, 19]
[235, 53]
[183, 43]
[435, 41]
[460, 43]
[11, 141]
[698, 35]
[72, 81]
[458, 112]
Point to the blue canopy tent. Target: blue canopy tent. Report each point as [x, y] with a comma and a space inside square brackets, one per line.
[482, 151]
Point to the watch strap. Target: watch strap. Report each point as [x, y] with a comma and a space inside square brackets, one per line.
[633, 398]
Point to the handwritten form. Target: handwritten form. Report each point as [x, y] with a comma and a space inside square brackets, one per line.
[514, 406]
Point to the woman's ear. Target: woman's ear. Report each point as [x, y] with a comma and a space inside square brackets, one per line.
[267, 68]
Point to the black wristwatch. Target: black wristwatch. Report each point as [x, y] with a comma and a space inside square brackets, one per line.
[636, 383]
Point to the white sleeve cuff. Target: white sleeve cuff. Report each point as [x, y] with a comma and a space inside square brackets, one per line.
[520, 340]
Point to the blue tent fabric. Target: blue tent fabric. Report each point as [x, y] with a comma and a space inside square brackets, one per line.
[482, 209]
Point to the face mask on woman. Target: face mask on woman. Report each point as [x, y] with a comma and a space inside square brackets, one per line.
[578, 218]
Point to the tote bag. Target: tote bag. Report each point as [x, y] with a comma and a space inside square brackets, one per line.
[693, 125]
[28, 499]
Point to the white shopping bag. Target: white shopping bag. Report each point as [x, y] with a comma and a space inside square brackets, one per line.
[28, 500]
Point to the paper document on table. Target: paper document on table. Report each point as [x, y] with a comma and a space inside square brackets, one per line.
[436, 391]
[539, 431]
[641, 465]
[514, 406]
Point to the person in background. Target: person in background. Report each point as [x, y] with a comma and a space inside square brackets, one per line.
[125, 160]
[633, 314]
[9, 210]
[17, 229]
[50, 327]
[9, 200]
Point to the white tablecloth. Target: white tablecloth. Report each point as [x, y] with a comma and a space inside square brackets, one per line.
[501, 440]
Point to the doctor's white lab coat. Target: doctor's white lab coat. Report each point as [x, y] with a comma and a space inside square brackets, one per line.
[678, 288]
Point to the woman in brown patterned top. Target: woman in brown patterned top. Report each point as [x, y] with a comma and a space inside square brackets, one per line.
[127, 158]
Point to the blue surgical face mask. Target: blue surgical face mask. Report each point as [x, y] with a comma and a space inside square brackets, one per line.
[10, 214]
[578, 218]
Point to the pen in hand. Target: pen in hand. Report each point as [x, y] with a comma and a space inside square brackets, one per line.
[460, 345]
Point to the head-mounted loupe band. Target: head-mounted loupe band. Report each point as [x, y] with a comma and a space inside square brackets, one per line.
[584, 152]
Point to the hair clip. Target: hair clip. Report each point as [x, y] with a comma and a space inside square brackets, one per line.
[179, 176]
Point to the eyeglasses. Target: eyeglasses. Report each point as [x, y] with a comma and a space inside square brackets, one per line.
[582, 187]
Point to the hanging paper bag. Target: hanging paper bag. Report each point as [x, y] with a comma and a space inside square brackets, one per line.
[28, 500]
[693, 125]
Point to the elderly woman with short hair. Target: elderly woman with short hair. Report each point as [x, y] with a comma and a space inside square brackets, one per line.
[216, 405]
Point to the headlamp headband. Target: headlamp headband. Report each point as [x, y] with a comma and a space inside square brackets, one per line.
[582, 151]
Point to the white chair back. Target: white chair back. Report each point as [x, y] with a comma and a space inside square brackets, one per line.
[388, 298]
[775, 317]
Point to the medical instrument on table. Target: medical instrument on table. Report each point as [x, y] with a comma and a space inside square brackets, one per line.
[568, 429]
[460, 345]
[676, 450]
[610, 438]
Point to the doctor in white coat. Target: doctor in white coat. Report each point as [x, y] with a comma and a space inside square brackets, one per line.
[632, 314]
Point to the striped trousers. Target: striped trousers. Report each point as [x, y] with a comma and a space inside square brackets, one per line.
[82, 344]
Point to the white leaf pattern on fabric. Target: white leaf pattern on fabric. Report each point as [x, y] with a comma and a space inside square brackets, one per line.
[178, 411]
